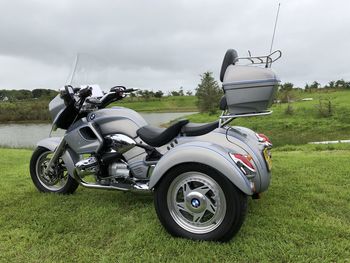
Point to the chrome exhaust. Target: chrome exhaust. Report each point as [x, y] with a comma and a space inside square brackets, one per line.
[127, 187]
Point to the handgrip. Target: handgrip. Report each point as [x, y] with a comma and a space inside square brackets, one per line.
[85, 92]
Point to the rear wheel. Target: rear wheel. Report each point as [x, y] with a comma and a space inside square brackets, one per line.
[196, 201]
[56, 181]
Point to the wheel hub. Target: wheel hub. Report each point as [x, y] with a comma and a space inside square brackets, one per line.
[52, 180]
[196, 202]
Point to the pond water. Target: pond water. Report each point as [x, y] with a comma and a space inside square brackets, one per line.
[27, 135]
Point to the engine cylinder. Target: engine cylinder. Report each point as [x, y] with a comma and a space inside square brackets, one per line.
[118, 170]
[88, 166]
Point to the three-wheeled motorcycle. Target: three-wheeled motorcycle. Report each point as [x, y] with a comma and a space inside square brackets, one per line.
[201, 174]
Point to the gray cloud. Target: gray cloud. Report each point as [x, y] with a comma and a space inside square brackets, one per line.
[168, 44]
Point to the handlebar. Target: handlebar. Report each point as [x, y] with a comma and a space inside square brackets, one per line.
[130, 90]
[116, 93]
[122, 89]
[85, 92]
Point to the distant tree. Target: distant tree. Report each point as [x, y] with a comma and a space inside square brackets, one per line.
[139, 93]
[46, 93]
[174, 93]
[23, 94]
[208, 93]
[307, 87]
[181, 91]
[286, 87]
[158, 94]
[36, 93]
[331, 84]
[146, 94]
[342, 84]
[189, 93]
[315, 85]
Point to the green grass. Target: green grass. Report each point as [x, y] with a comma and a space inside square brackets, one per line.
[304, 217]
[165, 104]
[304, 125]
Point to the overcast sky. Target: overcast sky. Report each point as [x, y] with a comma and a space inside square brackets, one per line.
[168, 44]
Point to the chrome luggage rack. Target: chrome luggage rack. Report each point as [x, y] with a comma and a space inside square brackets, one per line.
[264, 60]
[227, 118]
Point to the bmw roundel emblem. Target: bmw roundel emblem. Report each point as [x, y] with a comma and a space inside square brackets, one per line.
[92, 116]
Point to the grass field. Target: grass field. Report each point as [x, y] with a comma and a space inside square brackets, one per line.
[304, 217]
[304, 125]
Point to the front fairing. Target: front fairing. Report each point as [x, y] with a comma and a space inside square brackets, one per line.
[62, 115]
[56, 106]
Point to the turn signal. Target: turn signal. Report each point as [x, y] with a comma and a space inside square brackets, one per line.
[263, 138]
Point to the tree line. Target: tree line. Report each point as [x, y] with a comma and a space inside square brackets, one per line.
[314, 86]
[150, 94]
[288, 92]
[22, 94]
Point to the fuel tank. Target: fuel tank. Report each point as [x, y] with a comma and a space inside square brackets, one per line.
[120, 120]
[86, 135]
[117, 120]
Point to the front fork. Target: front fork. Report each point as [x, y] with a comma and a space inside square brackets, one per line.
[56, 154]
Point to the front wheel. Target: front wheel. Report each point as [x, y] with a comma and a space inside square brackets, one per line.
[56, 181]
[197, 202]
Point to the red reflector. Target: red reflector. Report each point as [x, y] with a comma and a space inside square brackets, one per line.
[263, 138]
[245, 160]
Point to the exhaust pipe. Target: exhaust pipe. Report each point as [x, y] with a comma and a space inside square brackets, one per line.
[125, 187]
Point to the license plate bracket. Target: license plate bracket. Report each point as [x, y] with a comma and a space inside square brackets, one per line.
[268, 159]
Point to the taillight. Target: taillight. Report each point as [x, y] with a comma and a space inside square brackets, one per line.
[263, 138]
[243, 162]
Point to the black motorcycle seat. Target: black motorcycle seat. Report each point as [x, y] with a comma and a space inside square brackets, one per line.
[157, 137]
[197, 129]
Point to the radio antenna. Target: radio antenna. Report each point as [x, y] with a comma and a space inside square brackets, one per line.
[274, 28]
[70, 77]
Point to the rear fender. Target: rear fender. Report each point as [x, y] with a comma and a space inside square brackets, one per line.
[201, 152]
[69, 157]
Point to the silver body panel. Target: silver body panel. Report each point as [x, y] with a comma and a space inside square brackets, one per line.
[235, 140]
[69, 157]
[117, 120]
[81, 143]
[201, 152]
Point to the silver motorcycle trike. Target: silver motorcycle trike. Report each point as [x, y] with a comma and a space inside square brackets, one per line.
[200, 174]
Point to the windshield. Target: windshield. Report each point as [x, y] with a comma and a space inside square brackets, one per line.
[89, 70]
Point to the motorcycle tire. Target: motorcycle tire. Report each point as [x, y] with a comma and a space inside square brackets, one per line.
[42, 182]
[197, 202]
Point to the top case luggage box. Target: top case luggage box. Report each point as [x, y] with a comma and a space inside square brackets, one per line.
[249, 89]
